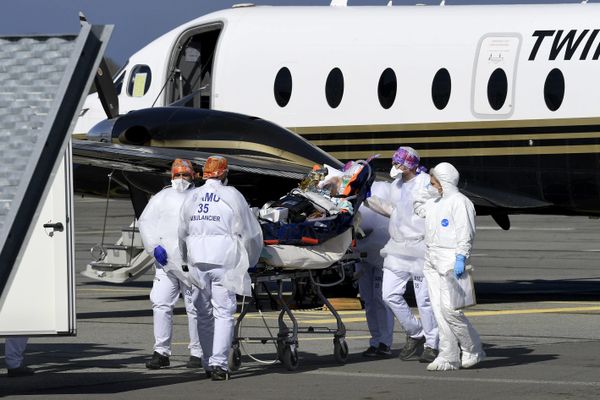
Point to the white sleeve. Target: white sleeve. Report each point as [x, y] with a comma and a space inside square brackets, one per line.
[379, 205]
[147, 224]
[463, 213]
[182, 229]
[251, 231]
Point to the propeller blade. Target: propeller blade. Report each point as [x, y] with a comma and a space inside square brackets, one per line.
[104, 84]
[106, 91]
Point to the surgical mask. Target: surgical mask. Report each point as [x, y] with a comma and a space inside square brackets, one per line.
[180, 184]
[433, 192]
[395, 172]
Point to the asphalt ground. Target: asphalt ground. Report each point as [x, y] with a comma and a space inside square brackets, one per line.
[538, 288]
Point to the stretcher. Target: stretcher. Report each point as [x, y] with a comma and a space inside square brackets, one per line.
[324, 261]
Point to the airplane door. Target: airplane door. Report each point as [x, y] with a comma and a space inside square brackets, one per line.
[494, 76]
[40, 296]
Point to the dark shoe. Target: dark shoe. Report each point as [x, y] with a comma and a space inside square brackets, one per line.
[370, 352]
[194, 362]
[384, 351]
[411, 347]
[428, 355]
[20, 371]
[158, 361]
[219, 374]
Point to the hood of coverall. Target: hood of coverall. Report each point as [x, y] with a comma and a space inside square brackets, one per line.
[448, 177]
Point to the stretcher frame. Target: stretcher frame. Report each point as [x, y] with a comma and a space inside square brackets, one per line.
[286, 341]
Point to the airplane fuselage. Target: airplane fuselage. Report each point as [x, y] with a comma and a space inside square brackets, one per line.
[508, 94]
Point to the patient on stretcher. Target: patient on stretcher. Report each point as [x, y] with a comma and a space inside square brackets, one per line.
[321, 208]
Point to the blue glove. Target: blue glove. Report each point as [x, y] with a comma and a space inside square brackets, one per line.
[459, 265]
[161, 255]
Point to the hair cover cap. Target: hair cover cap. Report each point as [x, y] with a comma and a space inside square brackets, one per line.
[214, 167]
[406, 156]
[181, 166]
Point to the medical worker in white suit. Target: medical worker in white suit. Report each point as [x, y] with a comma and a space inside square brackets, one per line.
[404, 256]
[450, 231]
[221, 238]
[380, 318]
[158, 226]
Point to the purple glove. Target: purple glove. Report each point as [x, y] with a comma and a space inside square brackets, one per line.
[161, 255]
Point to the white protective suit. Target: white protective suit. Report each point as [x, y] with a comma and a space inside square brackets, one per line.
[14, 347]
[222, 239]
[450, 230]
[404, 257]
[380, 319]
[158, 225]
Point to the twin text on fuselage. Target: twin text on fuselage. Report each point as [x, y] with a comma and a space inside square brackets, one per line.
[565, 43]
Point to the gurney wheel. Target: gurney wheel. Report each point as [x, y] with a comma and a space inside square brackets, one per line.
[235, 358]
[340, 350]
[289, 358]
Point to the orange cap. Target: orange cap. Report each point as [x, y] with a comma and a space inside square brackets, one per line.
[215, 167]
[180, 166]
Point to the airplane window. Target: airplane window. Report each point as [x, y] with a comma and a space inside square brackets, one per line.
[139, 81]
[283, 87]
[497, 88]
[386, 90]
[554, 89]
[440, 89]
[334, 87]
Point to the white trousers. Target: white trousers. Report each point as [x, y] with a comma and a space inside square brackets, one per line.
[215, 318]
[380, 319]
[394, 287]
[456, 332]
[164, 295]
[14, 347]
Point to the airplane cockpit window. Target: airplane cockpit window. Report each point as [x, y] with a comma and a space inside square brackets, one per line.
[386, 90]
[190, 78]
[554, 89]
[282, 89]
[497, 88]
[441, 88]
[139, 81]
[334, 87]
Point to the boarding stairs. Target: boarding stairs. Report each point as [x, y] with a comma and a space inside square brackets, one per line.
[121, 262]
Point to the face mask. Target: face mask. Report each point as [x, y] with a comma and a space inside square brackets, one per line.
[180, 184]
[395, 172]
[225, 182]
[433, 192]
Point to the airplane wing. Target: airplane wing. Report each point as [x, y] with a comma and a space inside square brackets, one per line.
[157, 160]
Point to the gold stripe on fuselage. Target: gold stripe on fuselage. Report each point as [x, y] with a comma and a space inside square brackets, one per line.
[443, 126]
[477, 152]
[453, 139]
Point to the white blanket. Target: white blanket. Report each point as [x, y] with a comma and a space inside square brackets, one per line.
[307, 257]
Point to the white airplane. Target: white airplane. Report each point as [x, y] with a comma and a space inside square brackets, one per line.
[510, 94]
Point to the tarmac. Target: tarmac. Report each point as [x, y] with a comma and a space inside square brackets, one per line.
[538, 314]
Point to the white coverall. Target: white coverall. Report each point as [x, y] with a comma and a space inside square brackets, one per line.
[221, 238]
[450, 230]
[380, 319]
[158, 225]
[14, 347]
[404, 257]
